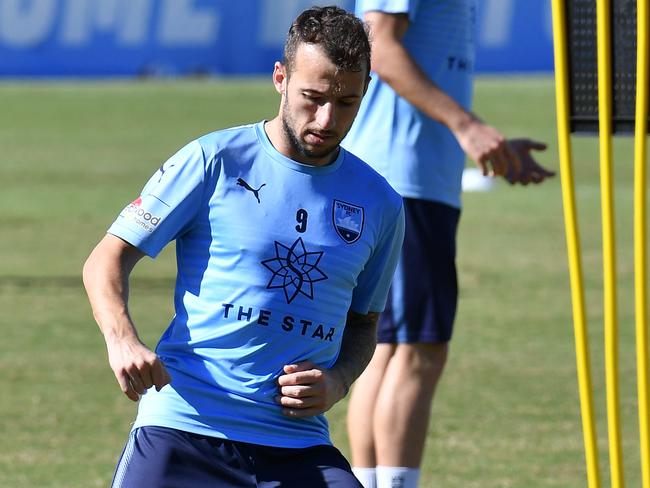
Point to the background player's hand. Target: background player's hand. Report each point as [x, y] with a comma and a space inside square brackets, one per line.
[136, 368]
[530, 171]
[488, 148]
[306, 389]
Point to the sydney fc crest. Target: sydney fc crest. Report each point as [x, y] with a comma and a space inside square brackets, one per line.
[348, 220]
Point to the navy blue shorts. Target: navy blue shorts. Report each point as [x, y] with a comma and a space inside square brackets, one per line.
[159, 457]
[423, 296]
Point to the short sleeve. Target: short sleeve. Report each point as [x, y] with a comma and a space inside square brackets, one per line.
[373, 283]
[388, 6]
[167, 205]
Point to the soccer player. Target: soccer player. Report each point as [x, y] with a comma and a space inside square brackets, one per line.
[285, 245]
[415, 127]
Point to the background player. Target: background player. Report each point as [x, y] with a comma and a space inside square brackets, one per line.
[415, 127]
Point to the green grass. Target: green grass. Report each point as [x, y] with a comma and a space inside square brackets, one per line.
[507, 411]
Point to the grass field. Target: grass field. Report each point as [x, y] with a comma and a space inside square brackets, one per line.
[507, 413]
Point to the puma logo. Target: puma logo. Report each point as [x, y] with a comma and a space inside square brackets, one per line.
[255, 192]
[162, 170]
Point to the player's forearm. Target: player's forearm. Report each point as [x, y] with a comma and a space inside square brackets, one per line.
[357, 348]
[106, 279]
[395, 66]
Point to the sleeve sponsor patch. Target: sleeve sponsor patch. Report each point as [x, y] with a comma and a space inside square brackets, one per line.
[141, 216]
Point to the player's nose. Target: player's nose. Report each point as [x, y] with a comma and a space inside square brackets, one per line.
[325, 116]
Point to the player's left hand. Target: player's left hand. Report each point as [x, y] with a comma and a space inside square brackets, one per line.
[529, 170]
[306, 389]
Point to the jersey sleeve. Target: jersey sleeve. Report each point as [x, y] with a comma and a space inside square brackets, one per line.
[167, 205]
[388, 6]
[373, 283]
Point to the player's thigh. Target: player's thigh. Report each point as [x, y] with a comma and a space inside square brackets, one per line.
[313, 467]
[158, 457]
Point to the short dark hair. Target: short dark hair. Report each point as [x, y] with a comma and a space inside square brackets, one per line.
[343, 37]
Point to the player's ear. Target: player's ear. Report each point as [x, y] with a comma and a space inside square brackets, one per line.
[280, 77]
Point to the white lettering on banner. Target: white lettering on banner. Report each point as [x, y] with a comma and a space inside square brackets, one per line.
[496, 25]
[497, 16]
[182, 25]
[548, 20]
[25, 23]
[135, 23]
[75, 23]
[275, 22]
[128, 18]
[77, 20]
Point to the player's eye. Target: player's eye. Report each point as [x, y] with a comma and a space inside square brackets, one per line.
[348, 102]
[311, 97]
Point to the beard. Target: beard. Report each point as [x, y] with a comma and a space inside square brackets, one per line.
[297, 144]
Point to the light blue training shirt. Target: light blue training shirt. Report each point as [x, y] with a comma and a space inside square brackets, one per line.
[271, 254]
[418, 156]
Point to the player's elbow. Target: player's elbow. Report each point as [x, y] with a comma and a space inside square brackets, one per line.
[381, 64]
[385, 65]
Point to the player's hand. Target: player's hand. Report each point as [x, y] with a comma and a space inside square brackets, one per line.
[488, 148]
[530, 171]
[136, 368]
[306, 389]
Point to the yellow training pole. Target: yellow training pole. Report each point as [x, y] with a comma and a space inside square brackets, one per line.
[640, 234]
[573, 243]
[609, 259]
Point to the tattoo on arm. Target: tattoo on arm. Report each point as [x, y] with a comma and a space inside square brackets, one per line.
[358, 346]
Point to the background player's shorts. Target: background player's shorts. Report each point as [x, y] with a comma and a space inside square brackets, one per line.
[157, 457]
[423, 296]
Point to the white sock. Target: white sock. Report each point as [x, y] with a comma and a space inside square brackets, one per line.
[397, 477]
[366, 476]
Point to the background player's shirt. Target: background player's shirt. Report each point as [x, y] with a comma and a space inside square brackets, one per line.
[419, 157]
[271, 255]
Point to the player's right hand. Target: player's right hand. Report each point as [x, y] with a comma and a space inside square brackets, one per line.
[488, 148]
[136, 368]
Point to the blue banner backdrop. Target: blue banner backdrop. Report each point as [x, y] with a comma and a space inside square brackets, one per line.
[89, 38]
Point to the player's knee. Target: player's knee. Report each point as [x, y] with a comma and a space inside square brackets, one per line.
[426, 360]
